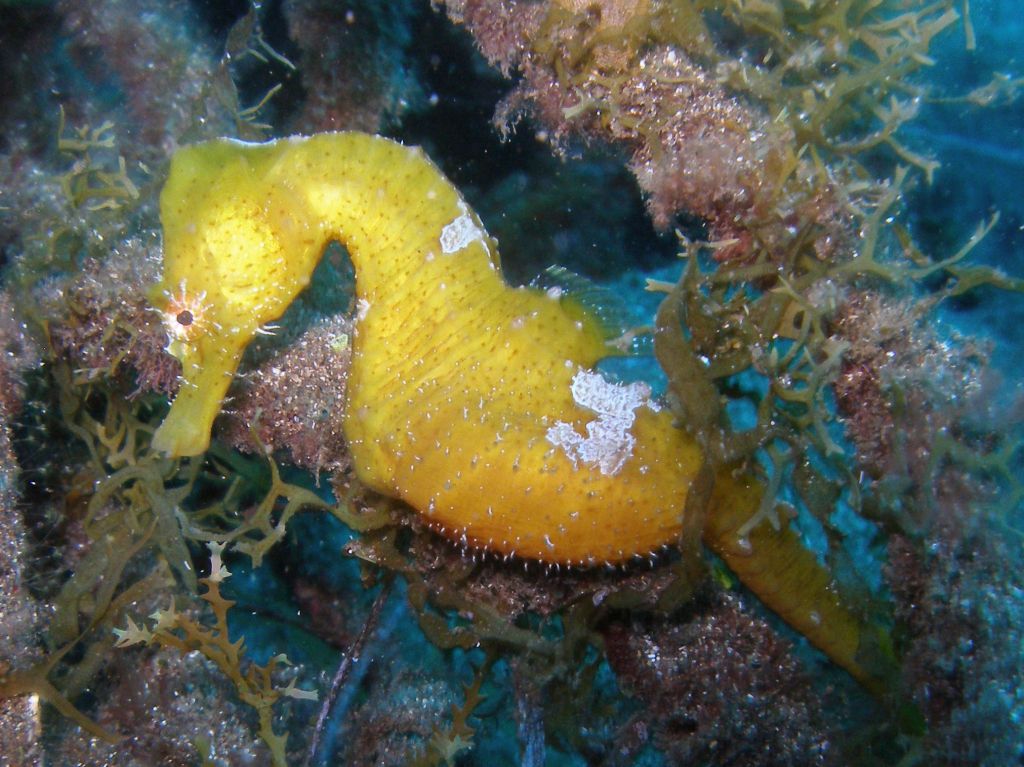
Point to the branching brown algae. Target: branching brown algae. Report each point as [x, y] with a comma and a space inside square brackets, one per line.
[801, 250]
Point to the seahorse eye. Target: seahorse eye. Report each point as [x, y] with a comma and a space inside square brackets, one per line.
[184, 317]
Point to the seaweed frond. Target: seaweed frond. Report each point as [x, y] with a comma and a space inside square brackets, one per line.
[254, 683]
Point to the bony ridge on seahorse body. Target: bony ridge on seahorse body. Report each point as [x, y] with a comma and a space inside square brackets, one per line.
[475, 402]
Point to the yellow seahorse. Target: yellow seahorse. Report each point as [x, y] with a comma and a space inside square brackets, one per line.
[475, 402]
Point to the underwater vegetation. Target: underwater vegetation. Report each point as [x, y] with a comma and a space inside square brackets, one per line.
[293, 473]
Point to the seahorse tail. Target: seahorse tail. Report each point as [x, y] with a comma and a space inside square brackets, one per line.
[787, 577]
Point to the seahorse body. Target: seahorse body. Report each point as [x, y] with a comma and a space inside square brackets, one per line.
[474, 401]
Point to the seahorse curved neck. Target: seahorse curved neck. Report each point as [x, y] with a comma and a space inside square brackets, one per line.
[245, 224]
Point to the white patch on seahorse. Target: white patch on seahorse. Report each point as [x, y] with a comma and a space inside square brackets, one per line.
[461, 232]
[608, 443]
